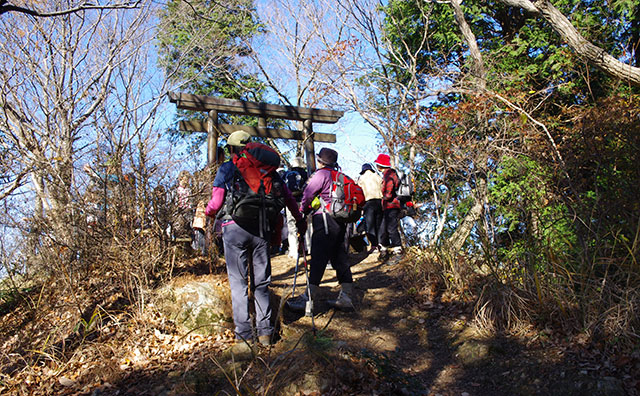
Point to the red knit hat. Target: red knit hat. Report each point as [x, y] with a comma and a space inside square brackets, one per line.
[383, 160]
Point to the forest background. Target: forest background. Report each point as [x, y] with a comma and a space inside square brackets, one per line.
[519, 121]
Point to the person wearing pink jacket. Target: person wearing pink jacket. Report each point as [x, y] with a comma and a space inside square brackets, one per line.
[244, 245]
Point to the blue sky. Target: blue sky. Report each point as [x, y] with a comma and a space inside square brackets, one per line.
[356, 142]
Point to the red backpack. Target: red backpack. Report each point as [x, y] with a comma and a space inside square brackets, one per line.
[347, 198]
[257, 197]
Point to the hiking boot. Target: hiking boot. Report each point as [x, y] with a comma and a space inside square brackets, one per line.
[383, 253]
[394, 256]
[298, 304]
[344, 301]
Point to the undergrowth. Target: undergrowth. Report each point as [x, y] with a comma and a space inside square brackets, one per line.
[605, 307]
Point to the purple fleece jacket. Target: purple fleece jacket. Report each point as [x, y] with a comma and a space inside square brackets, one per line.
[318, 184]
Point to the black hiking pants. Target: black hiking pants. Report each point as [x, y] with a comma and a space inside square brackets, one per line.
[389, 233]
[373, 219]
[327, 243]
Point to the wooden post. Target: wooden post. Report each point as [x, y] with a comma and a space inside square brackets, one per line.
[212, 137]
[263, 111]
[309, 149]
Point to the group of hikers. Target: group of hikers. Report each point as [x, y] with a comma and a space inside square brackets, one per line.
[247, 198]
[175, 214]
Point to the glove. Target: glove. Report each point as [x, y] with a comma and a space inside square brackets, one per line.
[301, 226]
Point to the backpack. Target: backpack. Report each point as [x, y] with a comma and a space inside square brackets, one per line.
[356, 236]
[294, 181]
[257, 196]
[405, 190]
[347, 198]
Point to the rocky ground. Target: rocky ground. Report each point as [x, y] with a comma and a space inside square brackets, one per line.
[395, 343]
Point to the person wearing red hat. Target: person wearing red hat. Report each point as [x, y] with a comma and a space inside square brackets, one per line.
[389, 237]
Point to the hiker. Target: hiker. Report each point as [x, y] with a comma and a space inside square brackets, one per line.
[295, 179]
[279, 235]
[199, 225]
[214, 233]
[278, 240]
[371, 184]
[184, 211]
[246, 239]
[389, 236]
[327, 240]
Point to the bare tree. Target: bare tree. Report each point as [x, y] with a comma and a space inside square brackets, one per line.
[64, 79]
[370, 68]
[297, 63]
[59, 9]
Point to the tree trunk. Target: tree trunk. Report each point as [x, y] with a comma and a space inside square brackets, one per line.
[478, 70]
[457, 240]
[591, 53]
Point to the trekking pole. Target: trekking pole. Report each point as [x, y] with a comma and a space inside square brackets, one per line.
[295, 276]
[308, 309]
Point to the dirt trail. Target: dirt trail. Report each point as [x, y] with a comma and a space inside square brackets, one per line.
[430, 349]
[393, 344]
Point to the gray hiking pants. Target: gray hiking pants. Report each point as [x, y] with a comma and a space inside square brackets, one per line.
[240, 250]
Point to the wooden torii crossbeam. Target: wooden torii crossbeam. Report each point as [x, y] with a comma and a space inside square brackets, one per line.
[263, 111]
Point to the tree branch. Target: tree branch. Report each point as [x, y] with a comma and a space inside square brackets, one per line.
[6, 7]
[477, 66]
[592, 53]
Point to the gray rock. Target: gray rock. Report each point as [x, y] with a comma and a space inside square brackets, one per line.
[197, 304]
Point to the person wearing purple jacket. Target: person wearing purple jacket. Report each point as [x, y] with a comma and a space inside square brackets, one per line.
[327, 240]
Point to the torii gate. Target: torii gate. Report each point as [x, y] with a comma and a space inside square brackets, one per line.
[263, 111]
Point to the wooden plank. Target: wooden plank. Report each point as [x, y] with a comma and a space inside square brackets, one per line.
[259, 109]
[212, 137]
[193, 126]
[274, 133]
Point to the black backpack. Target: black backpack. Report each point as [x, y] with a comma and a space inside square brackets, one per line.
[294, 181]
[257, 194]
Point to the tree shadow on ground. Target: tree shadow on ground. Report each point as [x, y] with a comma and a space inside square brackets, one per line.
[390, 345]
[426, 349]
[433, 347]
